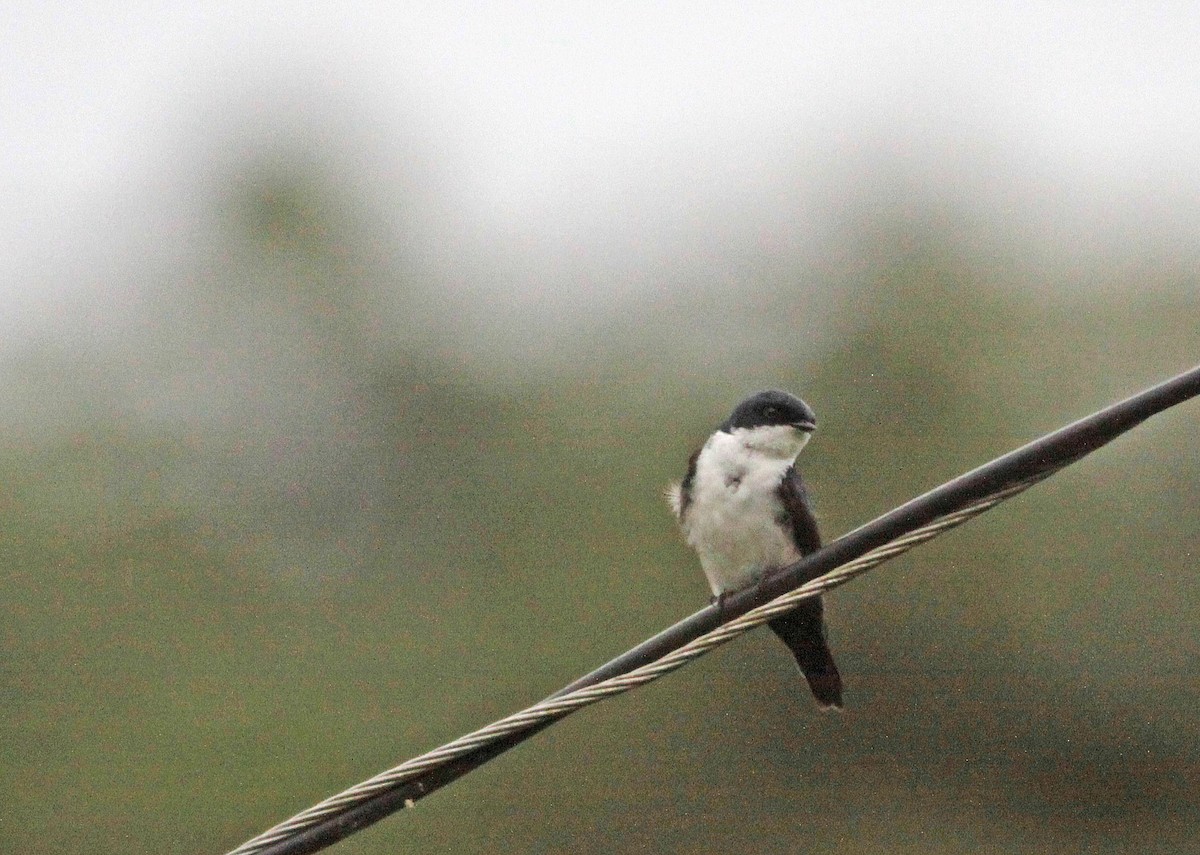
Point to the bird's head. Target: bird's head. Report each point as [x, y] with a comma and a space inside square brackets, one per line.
[772, 422]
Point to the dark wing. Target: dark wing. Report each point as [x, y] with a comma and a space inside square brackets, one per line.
[803, 629]
[685, 486]
[798, 512]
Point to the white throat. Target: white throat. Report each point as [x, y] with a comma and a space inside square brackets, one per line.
[781, 442]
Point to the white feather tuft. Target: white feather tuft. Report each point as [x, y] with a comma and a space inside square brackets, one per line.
[674, 496]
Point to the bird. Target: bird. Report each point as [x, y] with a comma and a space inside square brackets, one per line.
[744, 509]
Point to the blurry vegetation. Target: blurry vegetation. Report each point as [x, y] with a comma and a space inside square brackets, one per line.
[287, 550]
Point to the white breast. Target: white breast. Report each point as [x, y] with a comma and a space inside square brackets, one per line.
[733, 520]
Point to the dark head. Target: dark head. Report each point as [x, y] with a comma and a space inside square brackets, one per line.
[771, 409]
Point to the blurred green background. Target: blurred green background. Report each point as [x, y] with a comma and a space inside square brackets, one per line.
[319, 475]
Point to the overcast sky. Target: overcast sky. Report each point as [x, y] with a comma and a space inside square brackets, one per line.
[550, 122]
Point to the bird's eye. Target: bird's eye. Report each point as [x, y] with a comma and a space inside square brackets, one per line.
[772, 412]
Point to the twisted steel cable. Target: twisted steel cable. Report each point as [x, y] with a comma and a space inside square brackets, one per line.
[556, 707]
[916, 522]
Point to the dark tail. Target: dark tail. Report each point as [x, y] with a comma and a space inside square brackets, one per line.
[803, 631]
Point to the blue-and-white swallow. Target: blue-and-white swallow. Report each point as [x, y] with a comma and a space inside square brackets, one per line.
[744, 509]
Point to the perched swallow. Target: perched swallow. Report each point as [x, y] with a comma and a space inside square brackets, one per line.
[743, 508]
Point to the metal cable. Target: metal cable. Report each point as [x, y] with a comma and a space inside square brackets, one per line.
[854, 553]
[557, 707]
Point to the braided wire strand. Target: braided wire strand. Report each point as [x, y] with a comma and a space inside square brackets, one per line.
[560, 706]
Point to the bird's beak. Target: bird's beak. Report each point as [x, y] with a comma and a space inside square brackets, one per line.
[806, 426]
